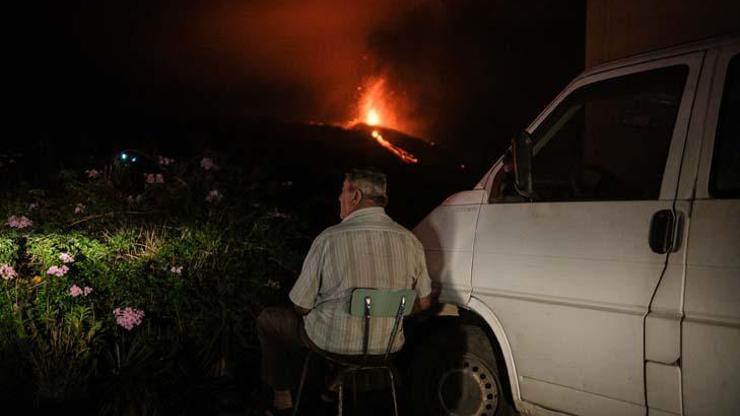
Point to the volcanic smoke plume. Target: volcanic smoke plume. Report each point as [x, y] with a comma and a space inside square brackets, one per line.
[315, 59]
[293, 60]
[467, 72]
[434, 61]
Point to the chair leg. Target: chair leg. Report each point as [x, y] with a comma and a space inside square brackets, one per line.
[354, 391]
[301, 383]
[393, 391]
[341, 395]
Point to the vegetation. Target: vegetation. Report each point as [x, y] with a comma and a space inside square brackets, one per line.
[128, 287]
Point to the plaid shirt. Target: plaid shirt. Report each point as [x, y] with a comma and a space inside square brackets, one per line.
[366, 250]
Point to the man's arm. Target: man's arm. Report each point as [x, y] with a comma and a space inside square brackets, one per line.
[301, 311]
[422, 284]
[306, 288]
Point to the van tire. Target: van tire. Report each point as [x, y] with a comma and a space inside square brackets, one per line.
[454, 371]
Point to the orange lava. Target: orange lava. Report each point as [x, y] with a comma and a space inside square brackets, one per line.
[374, 105]
[405, 156]
[375, 110]
[372, 119]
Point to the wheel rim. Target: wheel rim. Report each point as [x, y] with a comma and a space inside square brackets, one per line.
[468, 388]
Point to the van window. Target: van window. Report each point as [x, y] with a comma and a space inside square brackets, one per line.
[609, 140]
[724, 180]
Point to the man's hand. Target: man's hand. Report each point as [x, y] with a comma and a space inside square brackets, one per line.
[422, 304]
[301, 311]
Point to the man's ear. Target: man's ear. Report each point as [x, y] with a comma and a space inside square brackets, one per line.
[357, 196]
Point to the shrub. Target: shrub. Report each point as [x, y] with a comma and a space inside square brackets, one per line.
[196, 246]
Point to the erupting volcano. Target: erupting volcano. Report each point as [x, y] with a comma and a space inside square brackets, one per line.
[372, 119]
[375, 112]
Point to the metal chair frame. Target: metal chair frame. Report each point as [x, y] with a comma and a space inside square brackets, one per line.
[353, 368]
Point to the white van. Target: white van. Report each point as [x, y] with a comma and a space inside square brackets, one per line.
[596, 266]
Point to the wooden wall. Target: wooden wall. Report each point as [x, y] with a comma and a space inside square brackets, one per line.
[619, 28]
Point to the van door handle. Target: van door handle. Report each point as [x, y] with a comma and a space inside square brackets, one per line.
[661, 231]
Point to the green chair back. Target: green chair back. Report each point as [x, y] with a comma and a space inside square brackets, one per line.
[381, 303]
[384, 302]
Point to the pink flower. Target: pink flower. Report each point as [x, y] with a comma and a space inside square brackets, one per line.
[214, 195]
[32, 206]
[7, 272]
[57, 271]
[165, 161]
[128, 317]
[92, 173]
[66, 258]
[80, 208]
[176, 269]
[19, 222]
[75, 291]
[152, 178]
[207, 163]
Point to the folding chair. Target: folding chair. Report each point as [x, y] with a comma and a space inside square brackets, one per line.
[367, 304]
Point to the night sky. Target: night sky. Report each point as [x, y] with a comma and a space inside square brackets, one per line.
[464, 73]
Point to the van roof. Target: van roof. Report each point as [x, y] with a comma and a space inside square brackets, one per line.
[685, 48]
[705, 44]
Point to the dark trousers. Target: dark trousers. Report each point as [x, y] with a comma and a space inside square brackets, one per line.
[284, 346]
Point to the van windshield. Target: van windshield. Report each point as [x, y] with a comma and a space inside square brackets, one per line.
[609, 140]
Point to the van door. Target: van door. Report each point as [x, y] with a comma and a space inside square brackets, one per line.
[711, 327]
[571, 274]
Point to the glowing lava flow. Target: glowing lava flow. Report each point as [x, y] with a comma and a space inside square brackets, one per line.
[373, 104]
[405, 156]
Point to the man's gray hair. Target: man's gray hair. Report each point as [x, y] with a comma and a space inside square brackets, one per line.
[371, 183]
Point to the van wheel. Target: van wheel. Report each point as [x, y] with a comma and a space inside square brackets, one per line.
[454, 372]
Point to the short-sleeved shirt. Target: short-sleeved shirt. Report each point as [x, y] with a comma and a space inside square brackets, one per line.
[366, 250]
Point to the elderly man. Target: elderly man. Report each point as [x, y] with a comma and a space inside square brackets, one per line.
[368, 250]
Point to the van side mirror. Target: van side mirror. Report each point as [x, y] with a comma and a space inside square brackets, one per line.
[522, 154]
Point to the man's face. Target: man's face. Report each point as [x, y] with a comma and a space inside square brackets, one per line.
[348, 199]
